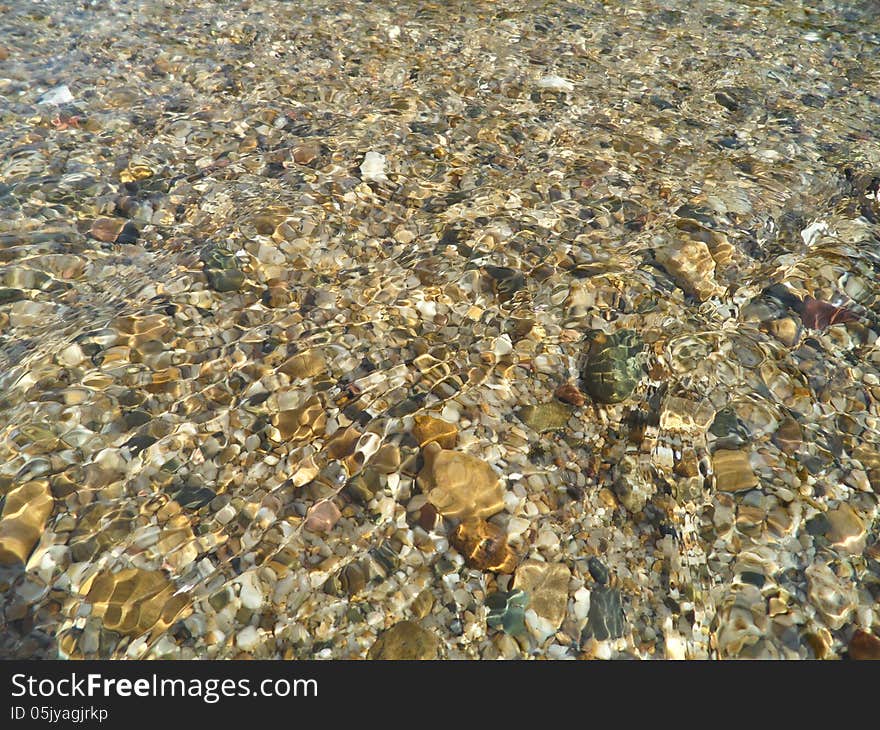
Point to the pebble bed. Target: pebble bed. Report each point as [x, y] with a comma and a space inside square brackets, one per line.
[398, 330]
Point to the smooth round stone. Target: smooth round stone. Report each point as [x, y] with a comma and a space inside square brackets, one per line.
[613, 367]
[789, 436]
[483, 546]
[405, 641]
[305, 364]
[846, 530]
[507, 611]
[25, 512]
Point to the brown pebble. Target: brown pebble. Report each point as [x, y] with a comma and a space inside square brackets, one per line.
[460, 485]
[864, 646]
[786, 330]
[427, 517]
[322, 516]
[569, 393]
[483, 546]
[428, 428]
[733, 472]
[789, 436]
[405, 640]
[305, 153]
[113, 230]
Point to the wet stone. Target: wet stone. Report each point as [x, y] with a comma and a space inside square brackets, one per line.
[846, 530]
[114, 230]
[483, 546]
[733, 471]
[25, 512]
[134, 601]
[547, 587]
[225, 280]
[571, 394]
[222, 269]
[606, 619]
[507, 611]
[599, 571]
[460, 485]
[691, 265]
[550, 416]
[834, 597]
[789, 436]
[505, 281]
[864, 646]
[428, 429]
[304, 365]
[405, 641]
[9, 295]
[322, 517]
[613, 365]
[192, 497]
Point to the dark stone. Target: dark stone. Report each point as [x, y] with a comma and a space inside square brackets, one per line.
[8, 295]
[756, 579]
[507, 611]
[660, 102]
[598, 571]
[225, 280]
[818, 525]
[728, 426]
[505, 281]
[606, 619]
[129, 234]
[193, 497]
[727, 100]
[136, 444]
[813, 100]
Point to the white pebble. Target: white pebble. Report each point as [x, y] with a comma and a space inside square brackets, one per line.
[71, 356]
[248, 638]
[58, 95]
[516, 526]
[251, 595]
[555, 83]
[373, 167]
[581, 604]
[540, 627]
[225, 515]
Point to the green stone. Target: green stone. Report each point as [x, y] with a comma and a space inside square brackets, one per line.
[507, 611]
[224, 281]
[550, 416]
[614, 365]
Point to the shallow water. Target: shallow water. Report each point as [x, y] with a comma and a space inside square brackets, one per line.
[255, 260]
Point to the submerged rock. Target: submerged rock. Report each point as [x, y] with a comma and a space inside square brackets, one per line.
[459, 485]
[405, 641]
[613, 365]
